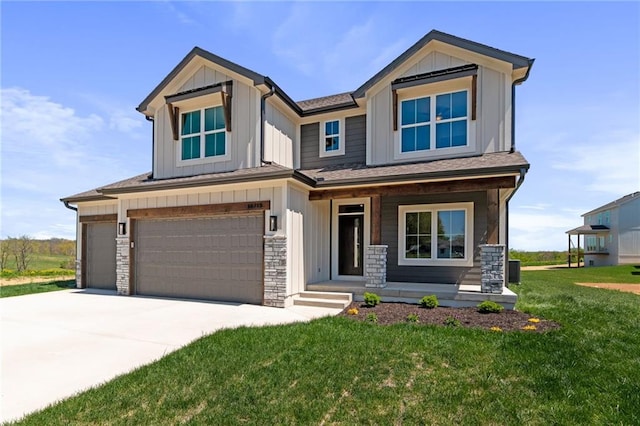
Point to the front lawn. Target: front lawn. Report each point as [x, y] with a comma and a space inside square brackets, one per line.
[40, 287]
[339, 371]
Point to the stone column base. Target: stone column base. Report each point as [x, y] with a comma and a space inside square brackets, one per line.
[122, 266]
[492, 265]
[275, 270]
[375, 266]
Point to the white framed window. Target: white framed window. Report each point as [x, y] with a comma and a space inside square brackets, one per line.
[203, 136]
[434, 122]
[435, 234]
[332, 138]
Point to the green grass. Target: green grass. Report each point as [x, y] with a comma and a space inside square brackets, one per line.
[32, 288]
[339, 371]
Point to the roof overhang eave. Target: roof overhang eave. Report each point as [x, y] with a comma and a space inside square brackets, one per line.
[426, 177]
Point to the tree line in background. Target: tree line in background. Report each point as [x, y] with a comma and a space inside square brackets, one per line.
[20, 252]
[534, 258]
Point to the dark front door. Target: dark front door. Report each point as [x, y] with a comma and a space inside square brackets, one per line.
[350, 243]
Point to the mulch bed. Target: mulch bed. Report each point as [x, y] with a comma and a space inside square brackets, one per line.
[393, 313]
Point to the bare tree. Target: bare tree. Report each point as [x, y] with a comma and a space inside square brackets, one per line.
[22, 251]
[5, 252]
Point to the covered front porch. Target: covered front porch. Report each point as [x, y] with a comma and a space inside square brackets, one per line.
[453, 295]
[594, 243]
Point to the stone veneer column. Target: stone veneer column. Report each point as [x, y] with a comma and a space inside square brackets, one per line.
[78, 273]
[275, 270]
[122, 265]
[376, 266]
[492, 265]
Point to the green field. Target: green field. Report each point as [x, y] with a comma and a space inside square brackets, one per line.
[339, 371]
[31, 288]
[41, 265]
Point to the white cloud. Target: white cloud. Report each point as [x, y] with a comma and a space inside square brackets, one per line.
[610, 164]
[540, 230]
[49, 151]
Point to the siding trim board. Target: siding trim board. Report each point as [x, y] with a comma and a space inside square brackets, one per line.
[199, 210]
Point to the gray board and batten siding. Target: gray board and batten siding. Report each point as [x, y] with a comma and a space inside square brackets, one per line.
[433, 274]
[355, 135]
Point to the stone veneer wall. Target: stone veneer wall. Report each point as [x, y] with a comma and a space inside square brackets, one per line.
[78, 273]
[492, 265]
[122, 265]
[376, 266]
[275, 270]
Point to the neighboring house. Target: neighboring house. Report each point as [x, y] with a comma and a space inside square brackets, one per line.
[256, 198]
[611, 233]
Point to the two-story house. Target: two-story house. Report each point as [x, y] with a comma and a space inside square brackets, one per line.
[611, 233]
[253, 197]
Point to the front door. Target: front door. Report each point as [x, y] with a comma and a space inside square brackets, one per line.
[350, 239]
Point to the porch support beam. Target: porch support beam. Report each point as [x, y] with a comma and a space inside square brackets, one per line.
[376, 218]
[493, 215]
[468, 185]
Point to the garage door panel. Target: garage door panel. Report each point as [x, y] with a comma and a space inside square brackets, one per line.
[218, 258]
[101, 255]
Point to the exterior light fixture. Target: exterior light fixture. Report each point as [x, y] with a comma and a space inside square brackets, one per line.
[122, 228]
[273, 223]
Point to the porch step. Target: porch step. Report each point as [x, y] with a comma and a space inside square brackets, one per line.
[323, 299]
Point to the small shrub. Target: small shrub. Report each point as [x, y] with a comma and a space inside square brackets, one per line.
[490, 307]
[412, 318]
[371, 317]
[451, 322]
[352, 311]
[429, 302]
[371, 299]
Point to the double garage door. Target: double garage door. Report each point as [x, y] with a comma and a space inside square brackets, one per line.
[215, 258]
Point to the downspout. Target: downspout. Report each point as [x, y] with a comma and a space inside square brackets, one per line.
[523, 172]
[153, 143]
[513, 106]
[263, 107]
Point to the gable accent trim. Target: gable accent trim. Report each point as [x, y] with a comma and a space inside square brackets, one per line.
[227, 94]
[435, 76]
[174, 113]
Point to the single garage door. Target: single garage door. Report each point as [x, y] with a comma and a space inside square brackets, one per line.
[216, 258]
[101, 255]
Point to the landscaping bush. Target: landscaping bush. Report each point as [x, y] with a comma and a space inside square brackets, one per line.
[490, 307]
[372, 317]
[451, 322]
[412, 318]
[371, 299]
[429, 302]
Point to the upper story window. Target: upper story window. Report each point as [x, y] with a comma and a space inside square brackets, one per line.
[203, 134]
[434, 122]
[332, 138]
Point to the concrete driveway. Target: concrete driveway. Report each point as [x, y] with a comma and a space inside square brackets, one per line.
[57, 344]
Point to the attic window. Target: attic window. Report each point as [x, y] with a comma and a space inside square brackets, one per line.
[176, 100]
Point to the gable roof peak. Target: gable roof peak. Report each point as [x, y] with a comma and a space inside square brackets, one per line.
[517, 61]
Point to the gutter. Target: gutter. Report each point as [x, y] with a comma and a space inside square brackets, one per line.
[153, 142]
[513, 105]
[66, 204]
[263, 107]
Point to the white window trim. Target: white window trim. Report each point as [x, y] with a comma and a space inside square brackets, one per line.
[434, 208]
[201, 160]
[410, 94]
[321, 146]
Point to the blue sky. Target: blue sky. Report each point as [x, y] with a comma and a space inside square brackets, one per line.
[72, 74]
